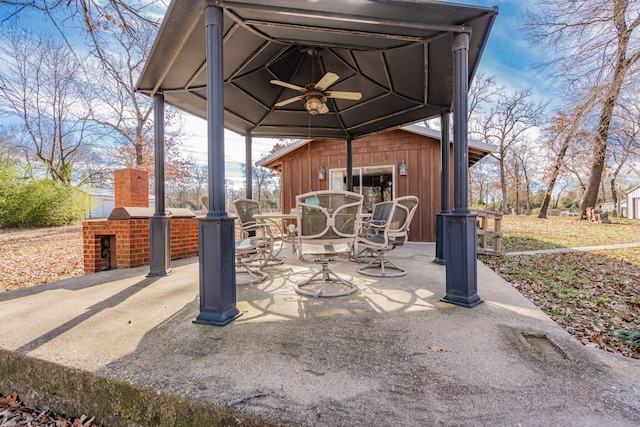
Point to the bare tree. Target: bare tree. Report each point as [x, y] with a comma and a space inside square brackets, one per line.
[482, 91]
[523, 170]
[482, 178]
[116, 104]
[42, 88]
[94, 15]
[597, 52]
[199, 174]
[563, 131]
[624, 143]
[509, 122]
[120, 35]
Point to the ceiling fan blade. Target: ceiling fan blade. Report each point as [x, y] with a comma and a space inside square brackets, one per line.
[289, 101]
[289, 85]
[354, 96]
[324, 109]
[326, 81]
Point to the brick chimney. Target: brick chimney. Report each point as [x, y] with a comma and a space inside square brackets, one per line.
[131, 188]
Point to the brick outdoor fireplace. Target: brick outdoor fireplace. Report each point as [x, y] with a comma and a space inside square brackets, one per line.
[122, 240]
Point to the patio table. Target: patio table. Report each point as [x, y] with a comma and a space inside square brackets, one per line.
[285, 222]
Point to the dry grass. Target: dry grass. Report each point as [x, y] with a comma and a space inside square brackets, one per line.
[522, 233]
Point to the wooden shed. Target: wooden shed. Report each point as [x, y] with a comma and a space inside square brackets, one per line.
[400, 162]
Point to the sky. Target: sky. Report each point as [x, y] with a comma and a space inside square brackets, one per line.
[507, 56]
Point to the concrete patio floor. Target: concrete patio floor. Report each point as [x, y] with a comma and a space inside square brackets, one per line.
[122, 347]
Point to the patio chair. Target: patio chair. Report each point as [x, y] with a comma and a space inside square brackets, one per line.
[327, 229]
[252, 255]
[245, 210]
[394, 233]
[374, 225]
[249, 226]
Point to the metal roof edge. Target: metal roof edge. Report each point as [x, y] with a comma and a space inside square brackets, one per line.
[281, 152]
[414, 128]
[435, 133]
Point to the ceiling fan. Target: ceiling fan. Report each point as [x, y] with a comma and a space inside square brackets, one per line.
[314, 95]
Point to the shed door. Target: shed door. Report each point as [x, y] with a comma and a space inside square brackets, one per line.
[375, 183]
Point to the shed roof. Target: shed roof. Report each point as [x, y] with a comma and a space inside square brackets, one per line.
[397, 53]
[477, 149]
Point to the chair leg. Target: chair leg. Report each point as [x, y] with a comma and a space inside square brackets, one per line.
[274, 254]
[255, 275]
[364, 253]
[327, 276]
[380, 263]
[250, 260]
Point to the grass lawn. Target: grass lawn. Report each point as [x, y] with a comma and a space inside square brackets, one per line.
[595, 295]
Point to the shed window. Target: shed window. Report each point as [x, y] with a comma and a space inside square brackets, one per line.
[375, 183]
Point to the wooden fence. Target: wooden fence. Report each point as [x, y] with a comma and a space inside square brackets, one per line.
[489, 232]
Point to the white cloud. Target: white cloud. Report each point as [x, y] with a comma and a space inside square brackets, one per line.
[195, 144]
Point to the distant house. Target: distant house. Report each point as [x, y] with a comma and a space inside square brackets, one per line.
[379, 162]
[633, 203]
[103, 202]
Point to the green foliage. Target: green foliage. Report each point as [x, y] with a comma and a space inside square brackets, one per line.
[38, 202]
[630, 336]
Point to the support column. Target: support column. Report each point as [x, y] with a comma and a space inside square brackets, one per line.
[249, 162]
[159, 223]
[460, 224]
[215, 230]
[349, 164]
[444, 188]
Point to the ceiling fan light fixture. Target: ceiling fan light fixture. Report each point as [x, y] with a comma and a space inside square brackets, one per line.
[313, 104]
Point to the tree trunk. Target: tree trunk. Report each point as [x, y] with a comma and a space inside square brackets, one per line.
[139, 154]
[554, 177]
[590, 195]
[503, 185]
[614, 194]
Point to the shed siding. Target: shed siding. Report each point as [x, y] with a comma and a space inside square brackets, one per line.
[299, 171]
[633, 203]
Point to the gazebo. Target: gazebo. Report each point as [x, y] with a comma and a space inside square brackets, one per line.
[281, 69]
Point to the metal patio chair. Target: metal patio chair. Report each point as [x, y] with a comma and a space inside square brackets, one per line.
[252, 253]
[394, 233]
[249, 226]
[374, 225]
[327, 229]
[252, 256]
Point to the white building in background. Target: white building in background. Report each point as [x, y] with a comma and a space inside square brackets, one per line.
[103, 202]
[633, 203]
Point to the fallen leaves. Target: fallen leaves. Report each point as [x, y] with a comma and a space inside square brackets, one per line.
[34, 256]
[593, 296]
[14, 413]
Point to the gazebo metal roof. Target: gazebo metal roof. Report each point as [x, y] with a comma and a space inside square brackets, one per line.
[397, 53]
